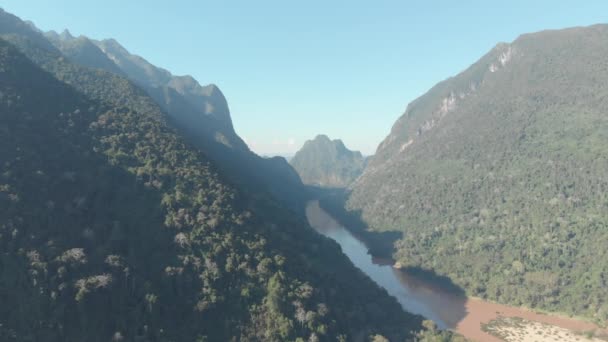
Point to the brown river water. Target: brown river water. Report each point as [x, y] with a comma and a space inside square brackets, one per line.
[449, 311]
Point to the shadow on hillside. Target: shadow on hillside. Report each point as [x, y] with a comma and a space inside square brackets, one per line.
[333, 201]
[426, 293]
[250, 172]
[436, 297]
[439, 282]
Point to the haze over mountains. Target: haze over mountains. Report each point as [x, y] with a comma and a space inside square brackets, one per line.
[200, 112]
[116, 225]
[174, 93]
[497, 175]
[131, 210]
[327, 163]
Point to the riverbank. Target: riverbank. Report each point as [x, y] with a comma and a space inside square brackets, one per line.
[481, 312]
[416, 293]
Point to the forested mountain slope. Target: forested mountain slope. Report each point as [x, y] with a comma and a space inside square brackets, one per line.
[200, 112]
[498, 176]
[327, 163]
[114, 228]
[82, 51]
[183, 97]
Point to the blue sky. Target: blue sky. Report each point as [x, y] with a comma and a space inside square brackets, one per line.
[294, 69]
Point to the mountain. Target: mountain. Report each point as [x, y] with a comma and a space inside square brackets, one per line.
[115, 227]
[207, 101]
[497, 175]
[200, 113]
[327, 163]
[82, 51]
[189, 103]
[12, 26]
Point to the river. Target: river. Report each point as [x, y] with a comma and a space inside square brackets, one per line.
[449, 311]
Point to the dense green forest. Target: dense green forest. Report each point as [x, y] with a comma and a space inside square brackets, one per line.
[497, 176]
[114, 228]
[327, 163]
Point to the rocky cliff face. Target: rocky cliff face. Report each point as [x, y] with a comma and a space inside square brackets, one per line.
[426, 112]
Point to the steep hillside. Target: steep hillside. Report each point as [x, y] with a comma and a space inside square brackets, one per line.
[327, 163]
[113, 228]
[183, 91]
[189, 103]
[13, 26]
[82, 51]
[201, 113]
[498, 175]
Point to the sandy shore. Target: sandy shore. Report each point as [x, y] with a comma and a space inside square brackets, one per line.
[480, 312]
[520, 330]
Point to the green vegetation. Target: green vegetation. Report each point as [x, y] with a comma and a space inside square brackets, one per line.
[497, 177]
[327, 163]
[82, 51]
[379, 244]
[432, 334]
[200, 113]
[113, 228]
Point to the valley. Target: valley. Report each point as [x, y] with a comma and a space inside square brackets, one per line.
[449, 309]
[132, 210]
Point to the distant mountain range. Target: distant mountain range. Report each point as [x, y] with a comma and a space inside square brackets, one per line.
[327, 163]
[497, 176]
[200, 112]
[131, 210]
[119, 223]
